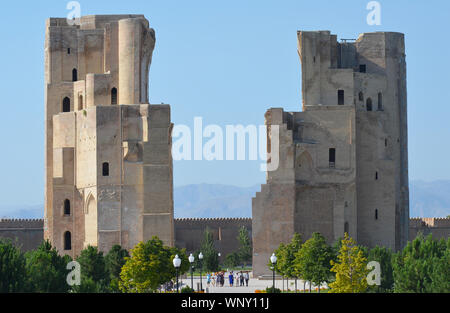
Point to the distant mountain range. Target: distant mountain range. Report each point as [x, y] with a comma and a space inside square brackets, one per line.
[427, 199]
[214, 201]
[22, 211]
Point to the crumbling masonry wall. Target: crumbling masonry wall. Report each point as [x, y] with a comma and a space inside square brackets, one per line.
[343, 163]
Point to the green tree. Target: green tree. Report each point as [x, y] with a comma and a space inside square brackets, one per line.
[280, 253]
[383, 256]
[114, 261]
[46, 270]
[231, 260]
[12, 268]
[440, 278]
[94, 276]
[286, 254]
[351, 268]
[422, 266]
[150, 266]
[245, 246]
[313, 260]
[210, 261]
[293, 248]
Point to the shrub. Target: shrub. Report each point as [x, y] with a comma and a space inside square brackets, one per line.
[272, 290]
[187, 289]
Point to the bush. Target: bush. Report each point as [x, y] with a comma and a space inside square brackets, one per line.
[272, 290]
[187, 289]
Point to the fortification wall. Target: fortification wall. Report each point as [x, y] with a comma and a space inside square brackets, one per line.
[24, 233]
[29, 233]
[438, 227]
[189, 233]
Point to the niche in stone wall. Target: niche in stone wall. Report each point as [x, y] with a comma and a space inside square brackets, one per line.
[133, 151]
[304, 167]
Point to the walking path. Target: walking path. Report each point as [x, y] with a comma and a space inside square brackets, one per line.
[253, 285]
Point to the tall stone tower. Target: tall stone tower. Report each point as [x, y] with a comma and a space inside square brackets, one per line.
[108, 151]
[343, 160]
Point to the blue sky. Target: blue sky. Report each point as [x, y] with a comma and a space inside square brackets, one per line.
[227, 61]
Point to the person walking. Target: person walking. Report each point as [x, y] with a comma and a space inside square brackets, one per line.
[246, 277]
[241, 279]
[213, 279]
[208, 279]
[237, 279]
[231, 278]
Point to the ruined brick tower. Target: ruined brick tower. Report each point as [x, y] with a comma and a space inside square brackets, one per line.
[108, 151]
[343, 160]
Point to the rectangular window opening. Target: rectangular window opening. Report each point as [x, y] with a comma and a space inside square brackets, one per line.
[332, 157]
[340, 97]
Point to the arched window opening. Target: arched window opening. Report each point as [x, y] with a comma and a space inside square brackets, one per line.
[346, 227]
[361, 96]
[376, 175]
[68, 50]
[362, 68]
[340, 97]
[385, 142]
[380, 102]
[67, 207]
[74, 75]
[332, 157]
[114, 95]
[80, 102]
[369, 104]
[67, 241]
[66, 104]
[106, 169]
[376, 214]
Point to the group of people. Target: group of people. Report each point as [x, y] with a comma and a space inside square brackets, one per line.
[235, 279]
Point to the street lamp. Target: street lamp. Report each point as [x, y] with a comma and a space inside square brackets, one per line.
[273, 259]
[191, 260]
[176, 264]
[200, 257]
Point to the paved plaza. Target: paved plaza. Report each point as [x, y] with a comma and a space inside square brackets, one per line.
[253, 284]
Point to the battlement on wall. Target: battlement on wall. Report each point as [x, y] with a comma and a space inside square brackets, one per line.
[212, 222]
[228, 219]
[22, 223]
[429, 222]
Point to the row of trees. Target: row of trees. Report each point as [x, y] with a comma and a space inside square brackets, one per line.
[243, 255]
[44, 271]
[147, 268]
[422, 266]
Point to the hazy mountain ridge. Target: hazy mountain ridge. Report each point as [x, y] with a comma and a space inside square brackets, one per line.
[207, 200]
[22, 211]
[427, 199]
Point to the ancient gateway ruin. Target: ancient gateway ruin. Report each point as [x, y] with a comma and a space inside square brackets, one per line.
[108, 151]
[343, 160]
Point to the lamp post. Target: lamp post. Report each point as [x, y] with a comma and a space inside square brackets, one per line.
[176, 264]
[191, 260]
[200, 257]
[273, 259]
